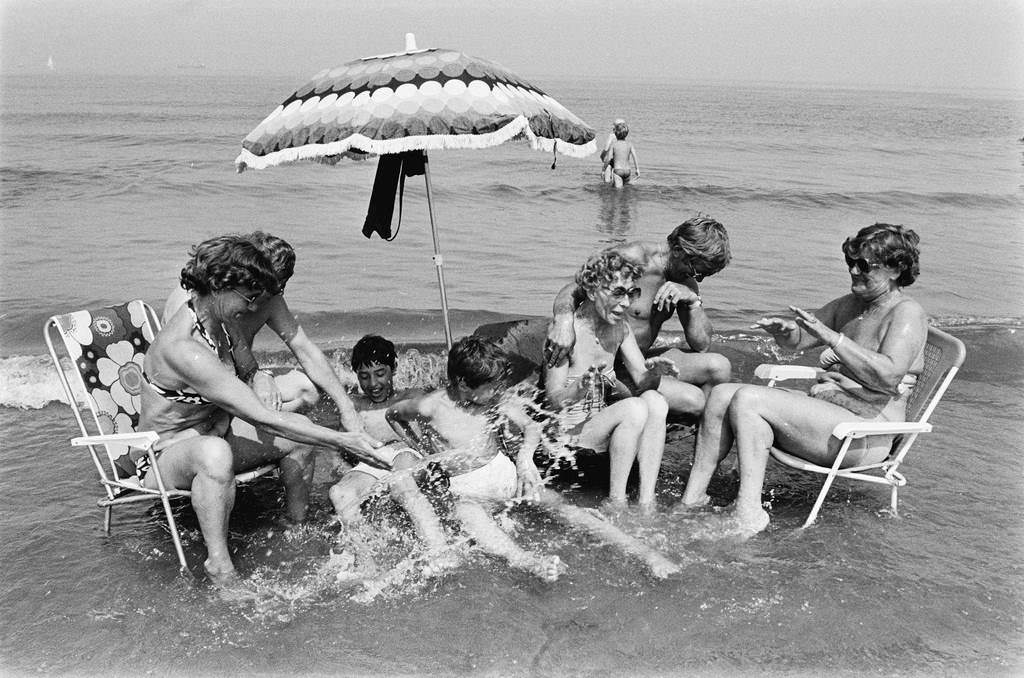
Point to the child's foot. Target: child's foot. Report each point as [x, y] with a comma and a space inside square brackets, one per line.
[437, 562]
[646, 509]
[548, 568]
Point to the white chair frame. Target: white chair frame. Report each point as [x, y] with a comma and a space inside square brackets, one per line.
[944, 354]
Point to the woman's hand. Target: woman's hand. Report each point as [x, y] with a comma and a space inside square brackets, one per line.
[817, 329]
[266, 389]
[662, 366]
[363, 446]
[588, 379]
[775, 326]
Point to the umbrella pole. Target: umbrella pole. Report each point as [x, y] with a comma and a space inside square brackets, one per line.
[438, 259]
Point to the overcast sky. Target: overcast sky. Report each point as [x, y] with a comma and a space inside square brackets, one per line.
[915, 43]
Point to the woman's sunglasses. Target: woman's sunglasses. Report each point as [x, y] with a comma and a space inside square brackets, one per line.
[633, 293]
[861, 265]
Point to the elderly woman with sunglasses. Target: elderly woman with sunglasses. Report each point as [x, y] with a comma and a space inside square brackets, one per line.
[668, 286]
[874, 340]
[596, 410]
[211, 424]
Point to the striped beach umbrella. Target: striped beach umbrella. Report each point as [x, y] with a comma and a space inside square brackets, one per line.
[417, 100]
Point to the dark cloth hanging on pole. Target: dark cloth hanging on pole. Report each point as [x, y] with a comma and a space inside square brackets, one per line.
[392, 169]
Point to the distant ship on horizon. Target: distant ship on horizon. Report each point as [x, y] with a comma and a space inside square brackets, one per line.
[49, 64]
[193, 66]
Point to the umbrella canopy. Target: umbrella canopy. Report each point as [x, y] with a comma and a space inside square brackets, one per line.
[419, 99]
[413, 101]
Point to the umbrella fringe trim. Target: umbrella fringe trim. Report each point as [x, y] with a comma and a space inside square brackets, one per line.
[519, 126]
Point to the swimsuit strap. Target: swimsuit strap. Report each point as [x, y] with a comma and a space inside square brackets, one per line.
[198, 324]
[205, 334]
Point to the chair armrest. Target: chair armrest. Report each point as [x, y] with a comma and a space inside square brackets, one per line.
[783, 372]
[861, 429]
[143, 439]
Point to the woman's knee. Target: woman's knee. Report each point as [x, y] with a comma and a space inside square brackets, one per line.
[300, 453]
[747, 400]
[657, 406]
[633, 411]
[214, 459]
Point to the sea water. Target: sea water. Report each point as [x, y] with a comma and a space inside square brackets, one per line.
[107, 181]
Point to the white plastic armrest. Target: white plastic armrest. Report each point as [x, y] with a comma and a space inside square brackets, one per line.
[140, 439]
[860, 429]
[783, 372]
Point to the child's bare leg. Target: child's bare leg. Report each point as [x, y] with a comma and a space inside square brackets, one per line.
[348, 493]
[347, 496]
[297, 391]
[477, 521]
[652, 446]
[659, 565]
[440, 556]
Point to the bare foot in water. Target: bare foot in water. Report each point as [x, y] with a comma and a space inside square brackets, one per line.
[734, 525]
[439, 561]
[230, 587]
[547, 568]
[684, 506]
[646, 509]
[661, 566]
[613, 507]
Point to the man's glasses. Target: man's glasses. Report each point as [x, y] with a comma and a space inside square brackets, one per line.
[681, 254]
[633, 293]
[861, 265]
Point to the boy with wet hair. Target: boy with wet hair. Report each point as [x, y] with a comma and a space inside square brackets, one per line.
[374, 360]
[462, 423]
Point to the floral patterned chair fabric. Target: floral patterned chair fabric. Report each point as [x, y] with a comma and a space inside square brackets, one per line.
[99, 356]
[108, 346]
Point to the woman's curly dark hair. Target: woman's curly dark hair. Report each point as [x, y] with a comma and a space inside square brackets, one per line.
[228, 262]
[888, 244]
[601, 268]
[280, 253]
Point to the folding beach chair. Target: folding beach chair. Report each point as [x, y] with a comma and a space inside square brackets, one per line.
[101, 372]
[943, 356]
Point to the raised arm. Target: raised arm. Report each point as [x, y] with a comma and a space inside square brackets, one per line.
[646, 373]
[561, 336]
[401, 416]
[788, 333]
[313, 361]
[884, 369]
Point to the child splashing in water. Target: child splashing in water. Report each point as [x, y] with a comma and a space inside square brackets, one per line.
[460, 424]
[374, 361]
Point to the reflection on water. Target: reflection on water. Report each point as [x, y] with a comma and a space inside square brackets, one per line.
[617, 210]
